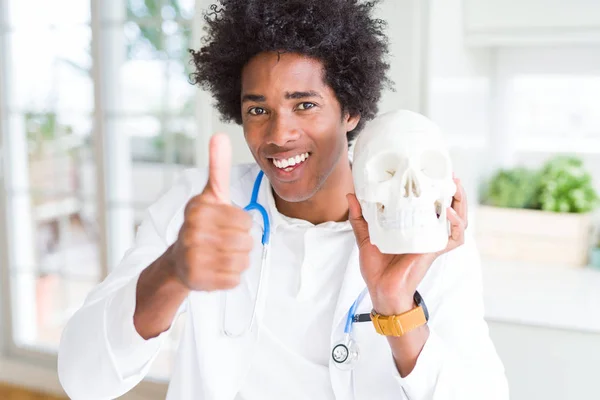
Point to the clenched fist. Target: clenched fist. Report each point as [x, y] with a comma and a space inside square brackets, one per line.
[214, 243]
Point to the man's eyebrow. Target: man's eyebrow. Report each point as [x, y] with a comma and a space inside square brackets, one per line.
[302, 95]
[254, 97]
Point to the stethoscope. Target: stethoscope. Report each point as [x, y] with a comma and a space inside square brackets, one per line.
[345, 353]
[253, 205]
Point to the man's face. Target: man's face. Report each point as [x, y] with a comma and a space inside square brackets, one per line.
[292, 122]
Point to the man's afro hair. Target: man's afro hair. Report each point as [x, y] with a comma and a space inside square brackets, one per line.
[342, 34]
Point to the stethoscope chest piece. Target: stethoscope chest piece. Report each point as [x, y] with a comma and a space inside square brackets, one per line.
[340, 353]
[345, 354]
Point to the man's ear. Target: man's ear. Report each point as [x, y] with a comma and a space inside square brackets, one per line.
[351, 121]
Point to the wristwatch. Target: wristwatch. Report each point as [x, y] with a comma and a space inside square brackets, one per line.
[398, 325]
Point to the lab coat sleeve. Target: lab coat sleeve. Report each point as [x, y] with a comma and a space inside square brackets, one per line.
[459, 360]
[101, 355]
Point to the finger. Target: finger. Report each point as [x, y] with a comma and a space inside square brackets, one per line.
[199, 214]
[457, 194]
[233, 241]
[219, 169]
[233, 263]
[459, 201]
[224, 241]
[457, 227]
[227, 279]
[359, 225]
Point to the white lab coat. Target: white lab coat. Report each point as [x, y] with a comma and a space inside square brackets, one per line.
[101, 355]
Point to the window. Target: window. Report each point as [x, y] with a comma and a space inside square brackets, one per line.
[547, 104]
[50, 176]
[87, 106]
[551, 98]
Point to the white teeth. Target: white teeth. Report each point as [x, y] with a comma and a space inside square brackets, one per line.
[290, 162]
[406, 219]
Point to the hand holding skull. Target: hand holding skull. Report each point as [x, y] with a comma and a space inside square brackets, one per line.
[408, 208]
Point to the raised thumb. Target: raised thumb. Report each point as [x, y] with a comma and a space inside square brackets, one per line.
[219, 169]
[359, 225]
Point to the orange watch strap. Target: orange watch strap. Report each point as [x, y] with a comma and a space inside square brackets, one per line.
[398, 325]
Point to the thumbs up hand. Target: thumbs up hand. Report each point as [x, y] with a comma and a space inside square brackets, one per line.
[214, 242]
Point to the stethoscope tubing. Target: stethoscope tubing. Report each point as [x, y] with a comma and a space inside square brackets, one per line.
[266, 236]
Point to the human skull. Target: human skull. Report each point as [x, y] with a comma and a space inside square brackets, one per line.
[403, 180]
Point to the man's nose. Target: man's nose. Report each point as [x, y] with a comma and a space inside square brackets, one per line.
[282, 130]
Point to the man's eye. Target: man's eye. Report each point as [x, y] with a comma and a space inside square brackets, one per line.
[256, 111]
[305, 106]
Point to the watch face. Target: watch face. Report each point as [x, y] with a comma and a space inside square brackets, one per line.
[340, 353]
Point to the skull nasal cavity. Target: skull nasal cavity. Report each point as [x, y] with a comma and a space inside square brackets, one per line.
[411, 184]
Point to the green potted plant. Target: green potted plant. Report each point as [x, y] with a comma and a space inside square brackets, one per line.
[539, 216]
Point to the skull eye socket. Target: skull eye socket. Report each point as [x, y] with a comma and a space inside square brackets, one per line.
[434, 164]
[385, 166]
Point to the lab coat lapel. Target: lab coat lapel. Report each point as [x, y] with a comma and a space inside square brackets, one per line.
[352, 285]
[223, 362]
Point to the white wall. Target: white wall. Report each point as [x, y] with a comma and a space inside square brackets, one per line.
[548, 364]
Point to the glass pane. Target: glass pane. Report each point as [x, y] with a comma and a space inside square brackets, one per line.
[64, 266]
[186, 8]
[60, 156]
[145, 157]
[180, 92]
[179, 142]
[165, 9]
[144, 137]
[144, 41]
[67, 244]
[51, 221]
[42, 304]
[39, 13]
[143, 86]
[143, 8]
[558, 106]
[56, 76]
[177, 40]
[149, 84]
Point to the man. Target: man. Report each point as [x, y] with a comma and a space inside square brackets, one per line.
[301, 77]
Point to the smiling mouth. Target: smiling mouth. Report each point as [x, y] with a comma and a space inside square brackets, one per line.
[290, 163]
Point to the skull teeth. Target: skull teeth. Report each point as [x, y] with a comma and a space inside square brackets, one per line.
[408, 219]
[438, 208]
